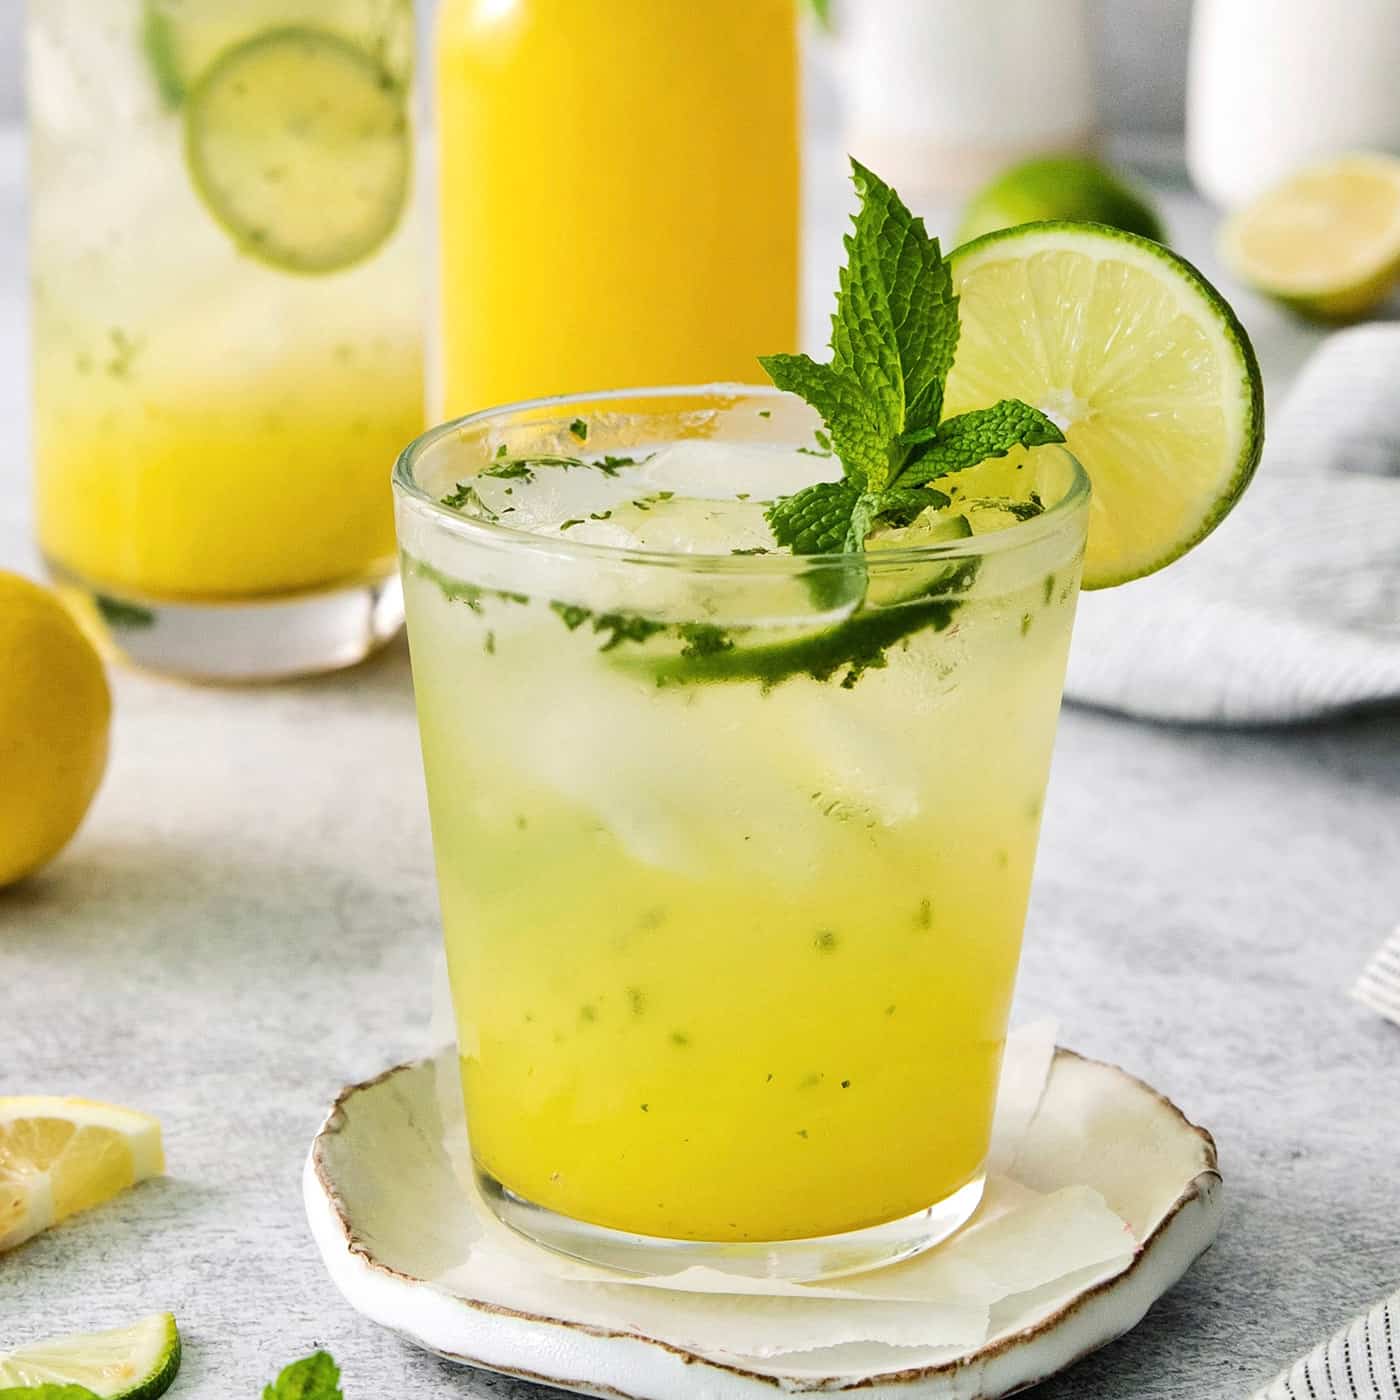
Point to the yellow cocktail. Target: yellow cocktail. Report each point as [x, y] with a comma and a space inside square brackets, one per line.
[619, 193]
[734, 849]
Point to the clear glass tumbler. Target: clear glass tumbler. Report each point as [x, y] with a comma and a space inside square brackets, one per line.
[733, 848]
[227, 322]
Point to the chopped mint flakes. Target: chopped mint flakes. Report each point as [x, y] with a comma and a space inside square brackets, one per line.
[881, 395]
[704, 639]
[524, 469]
[615, 627]
[464, 496]
[511, 471]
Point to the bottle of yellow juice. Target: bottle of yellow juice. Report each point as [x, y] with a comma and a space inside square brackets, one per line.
[619, 193]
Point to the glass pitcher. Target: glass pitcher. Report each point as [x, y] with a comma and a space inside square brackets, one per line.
[227, 322]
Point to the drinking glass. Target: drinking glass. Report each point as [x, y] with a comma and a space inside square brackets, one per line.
[733, 849]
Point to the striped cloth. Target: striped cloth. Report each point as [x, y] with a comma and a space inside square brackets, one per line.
[1379, 985]
[1291, 611]
[1361, 1362]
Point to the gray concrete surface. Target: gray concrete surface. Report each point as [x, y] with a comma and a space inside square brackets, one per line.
[247, 922]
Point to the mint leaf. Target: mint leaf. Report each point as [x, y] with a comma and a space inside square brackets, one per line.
[315, 1378]
[816, 520]
[859, 432]
[867, 508]
[975, 437]
[903, 506]
[896, 323]
[893, 339]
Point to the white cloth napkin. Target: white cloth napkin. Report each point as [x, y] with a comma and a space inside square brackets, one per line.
[1291, 610]
[1379, 986]
[1361, 1362]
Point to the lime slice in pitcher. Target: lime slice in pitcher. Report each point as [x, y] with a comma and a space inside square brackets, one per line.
[299, 142]
[183, 37]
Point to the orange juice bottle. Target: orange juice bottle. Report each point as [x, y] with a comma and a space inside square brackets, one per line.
[619, 193]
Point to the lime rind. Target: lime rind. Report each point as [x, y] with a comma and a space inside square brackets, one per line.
[182, 38]
[298, 142]
[159, 40]
[1205, 305]
[149, 1350]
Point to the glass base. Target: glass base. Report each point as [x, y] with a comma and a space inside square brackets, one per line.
[248, 640]
[798, 1261]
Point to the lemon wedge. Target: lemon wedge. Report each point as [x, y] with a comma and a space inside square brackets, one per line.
[59, 1156]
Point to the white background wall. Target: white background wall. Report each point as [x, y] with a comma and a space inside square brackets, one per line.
[11, 22]
[1142, 70]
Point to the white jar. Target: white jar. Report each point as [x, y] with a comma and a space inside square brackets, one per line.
[941, 94]
[1275, 84]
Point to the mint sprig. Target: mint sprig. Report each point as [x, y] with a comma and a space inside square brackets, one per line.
[893, 339]
[315, 1378]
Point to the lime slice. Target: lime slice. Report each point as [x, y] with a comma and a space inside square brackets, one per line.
[183, 37]
[132, 1363]
[890, 586]
[1058, 187]
[1138, 359]
[299, 144]
[1326, 241]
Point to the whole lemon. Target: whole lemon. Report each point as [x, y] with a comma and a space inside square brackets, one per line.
[55, 713]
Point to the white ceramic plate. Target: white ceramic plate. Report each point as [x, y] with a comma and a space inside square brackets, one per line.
[382, 1200]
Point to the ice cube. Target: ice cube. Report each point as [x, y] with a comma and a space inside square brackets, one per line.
[655, 786]
[726, 471]
[543, 497]
[685, 525]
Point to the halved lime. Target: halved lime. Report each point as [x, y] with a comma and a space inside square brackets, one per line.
[1326, 241]
[127, 1363]
[299, 143]
[1139, 360]
[1058, 187]
[183, 37]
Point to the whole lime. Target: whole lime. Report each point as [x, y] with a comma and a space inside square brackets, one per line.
[1058, 187]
